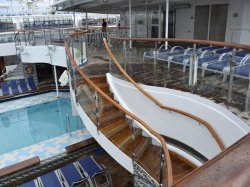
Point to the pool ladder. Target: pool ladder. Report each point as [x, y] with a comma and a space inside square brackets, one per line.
[77, 121]
[68, 126]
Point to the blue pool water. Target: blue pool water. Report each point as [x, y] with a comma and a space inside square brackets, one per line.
[26, 126]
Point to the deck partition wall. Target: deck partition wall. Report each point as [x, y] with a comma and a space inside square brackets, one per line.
[210, 22]
[150, 21]
[146, 21]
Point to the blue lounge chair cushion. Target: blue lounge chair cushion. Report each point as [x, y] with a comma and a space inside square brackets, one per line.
[166, 55]
[5, 88]
[50, 179]
[90, 166]
[32, 83]
[207, 59]
[29, 184]
[220, 51]
[242, 70]
[242, 53]
[181, 58]
[14, 87]
[219, 66]
[23, 86]
[72, 175]
[210, 48]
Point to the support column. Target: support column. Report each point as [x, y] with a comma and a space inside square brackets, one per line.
[74, 16]
[230, 83]
[209, 22]
[52, 48]
[130, 23]
[86, 19]
[57, 91]
[159, 17]
[166, 28]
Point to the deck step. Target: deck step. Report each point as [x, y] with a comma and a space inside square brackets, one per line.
[104, 120]
[123, 137]
[91, 106]
[137, 146]
[114, 127]
[98, 79]
[150, 160]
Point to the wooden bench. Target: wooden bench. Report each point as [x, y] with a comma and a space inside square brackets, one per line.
[80, 145]
[19, 166]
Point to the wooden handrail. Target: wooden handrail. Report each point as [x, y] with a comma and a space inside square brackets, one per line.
[216, 43]
[93, 29]
[105, 96]
[234, 157]
[201, 121]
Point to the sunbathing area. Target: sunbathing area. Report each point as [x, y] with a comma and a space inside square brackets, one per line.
[15, 89]
[122, 93]
[83, 164]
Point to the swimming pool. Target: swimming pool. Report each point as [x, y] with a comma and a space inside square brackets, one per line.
[26, 126]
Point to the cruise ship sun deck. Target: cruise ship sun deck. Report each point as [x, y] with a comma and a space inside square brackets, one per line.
[121, 93]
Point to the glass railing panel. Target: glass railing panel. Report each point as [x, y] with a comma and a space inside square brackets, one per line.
[6, 38]
[79, 51]
[142, 178]
[197, 69]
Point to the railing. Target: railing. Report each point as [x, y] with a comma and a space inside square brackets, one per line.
[41, 37]
[199, 120]
[94, 101]
[230, 168]
[92, 39]
[6, 37]
[114, 31]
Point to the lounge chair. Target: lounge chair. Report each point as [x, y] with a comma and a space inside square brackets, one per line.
[33, 183]
[242, 53]
[176, 54]
[182, 59]
[93, 169]
[23, 86]
[5, 88]
[242, 71]
[210, 48]
[222, 66]
[72, 176]
[14, 88]
[32, 83]
[152, 54]
[224, 50]
[51, 179]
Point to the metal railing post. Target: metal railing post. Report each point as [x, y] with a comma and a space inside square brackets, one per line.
[161, 167]
[110, 61]
[191, 68]
[97, 111]
[155, 53]
[230, 84]
[125, 55]
[133, 138]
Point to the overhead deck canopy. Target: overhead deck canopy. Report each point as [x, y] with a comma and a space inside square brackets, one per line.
[105, 6]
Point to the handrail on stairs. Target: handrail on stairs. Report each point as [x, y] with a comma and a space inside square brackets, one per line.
[105, 96]
[201, 121]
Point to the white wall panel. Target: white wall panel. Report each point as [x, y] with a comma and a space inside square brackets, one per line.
[7, 49]
[228, 126]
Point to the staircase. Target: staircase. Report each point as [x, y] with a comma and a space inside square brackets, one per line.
[17, 73]
[120, 130]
